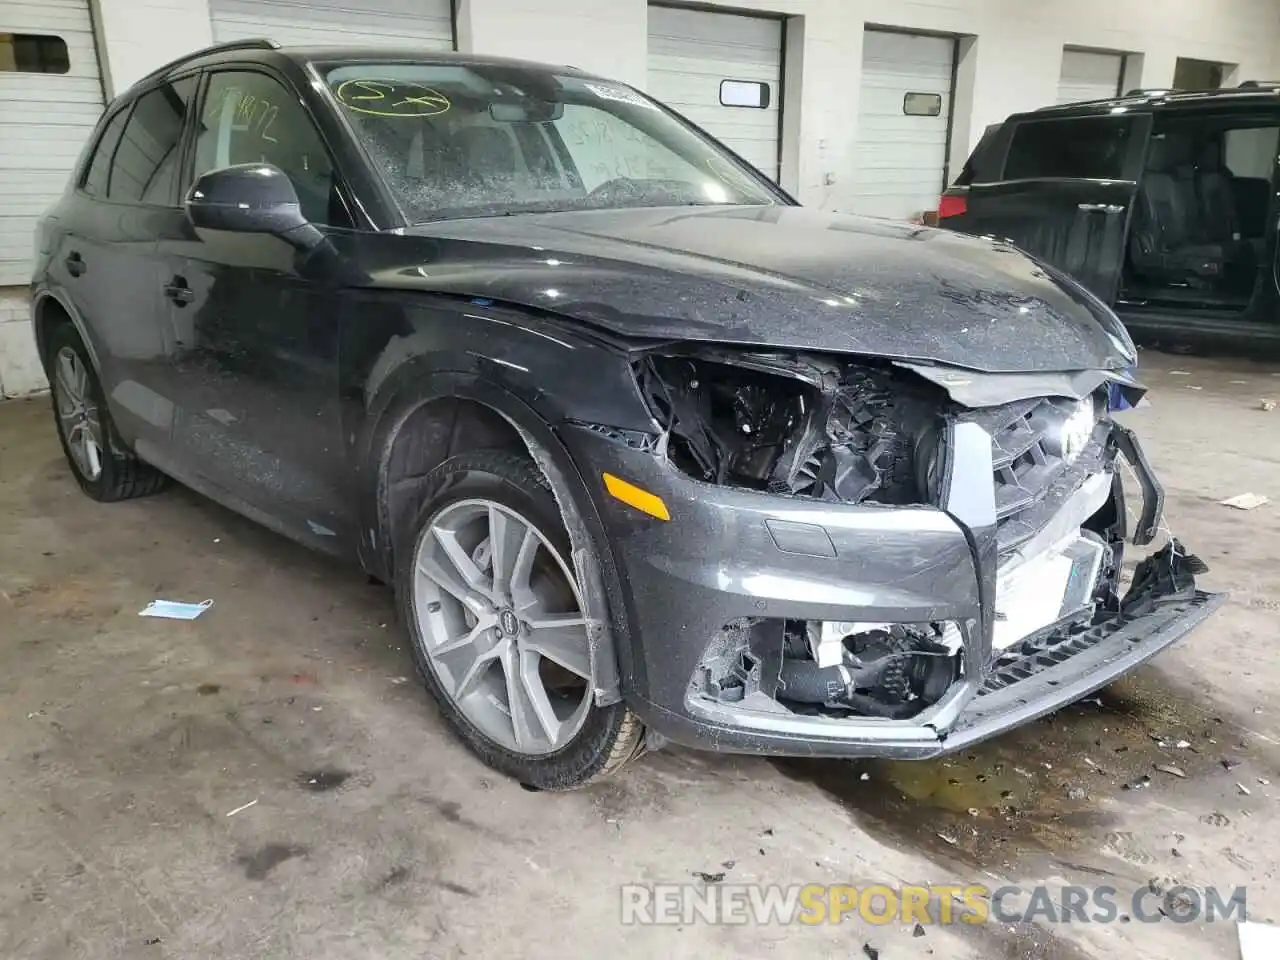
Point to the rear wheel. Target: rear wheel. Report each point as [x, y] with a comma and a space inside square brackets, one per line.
[101, 464]
[499, 629]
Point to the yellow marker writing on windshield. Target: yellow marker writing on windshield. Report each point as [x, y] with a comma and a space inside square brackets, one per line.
[389, 98]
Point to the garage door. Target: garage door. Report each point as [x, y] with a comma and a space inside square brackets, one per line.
[50, 99]
[428, 23]
[692, 53]
[904, 112]
[1087, 75]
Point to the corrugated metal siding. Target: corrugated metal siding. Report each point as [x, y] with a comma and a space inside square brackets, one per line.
[691, 51]
[45, 119]
[401, 22]
[899, 159]
[1089, 76]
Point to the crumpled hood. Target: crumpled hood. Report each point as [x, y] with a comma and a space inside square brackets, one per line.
[783, 277]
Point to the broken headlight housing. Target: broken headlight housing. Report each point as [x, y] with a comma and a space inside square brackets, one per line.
[797, 424]
[1076, 429]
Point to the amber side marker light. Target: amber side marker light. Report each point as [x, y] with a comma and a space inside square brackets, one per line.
[633, 496]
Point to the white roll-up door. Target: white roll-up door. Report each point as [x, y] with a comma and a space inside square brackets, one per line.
[904, 114]
[428, 23]
[692, 53]
[45, 117]
[1088, 75]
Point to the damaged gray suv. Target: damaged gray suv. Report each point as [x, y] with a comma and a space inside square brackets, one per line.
[649, 452]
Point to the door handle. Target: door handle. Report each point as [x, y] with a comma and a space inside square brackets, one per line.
[1100, 207]
[178, 291]
[75, 263]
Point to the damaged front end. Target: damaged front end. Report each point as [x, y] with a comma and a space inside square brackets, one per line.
[806, 426]
[1032, 480]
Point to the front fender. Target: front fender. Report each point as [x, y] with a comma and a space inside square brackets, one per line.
[400, 351]
[536, 371]
[533, 372]
[551, 363]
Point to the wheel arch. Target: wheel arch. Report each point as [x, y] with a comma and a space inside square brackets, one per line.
[417, 430]
[426, 435]
[48, 308]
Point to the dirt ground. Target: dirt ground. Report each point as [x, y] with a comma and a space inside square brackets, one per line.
[129, 743]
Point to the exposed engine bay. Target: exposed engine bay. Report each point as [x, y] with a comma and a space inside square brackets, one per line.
[864, 433]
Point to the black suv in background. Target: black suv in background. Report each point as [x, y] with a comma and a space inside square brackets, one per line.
[1161, 203]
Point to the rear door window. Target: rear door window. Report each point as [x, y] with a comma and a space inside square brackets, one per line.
[95, 178]
[145, 166]
[1078, 148]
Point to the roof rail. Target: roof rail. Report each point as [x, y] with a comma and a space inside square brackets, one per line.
[1255, 84]
[253, 43]
[1151, 92]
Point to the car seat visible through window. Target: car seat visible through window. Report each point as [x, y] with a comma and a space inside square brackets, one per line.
[1167, 242]
[1215, 195]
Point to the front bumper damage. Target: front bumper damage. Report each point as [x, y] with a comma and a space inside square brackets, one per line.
[711, 584]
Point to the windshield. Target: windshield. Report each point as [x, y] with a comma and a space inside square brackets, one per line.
[455, 140]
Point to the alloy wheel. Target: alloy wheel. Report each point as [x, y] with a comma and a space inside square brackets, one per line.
[500, 619]
[78, 415]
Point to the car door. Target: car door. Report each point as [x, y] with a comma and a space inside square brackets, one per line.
[1265, 307]
[108, 263]
[1064, 195]
[254, 330]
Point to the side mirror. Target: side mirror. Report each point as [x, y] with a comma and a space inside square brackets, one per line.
[245, 198]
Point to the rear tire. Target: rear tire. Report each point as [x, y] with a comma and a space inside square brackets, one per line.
[105, 469]
[467, 649]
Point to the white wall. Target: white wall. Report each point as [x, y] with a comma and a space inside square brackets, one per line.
[609, 37]
[20, 371]
[136, 36]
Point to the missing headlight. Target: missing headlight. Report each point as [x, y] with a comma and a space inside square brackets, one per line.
[794, 424]
[727, 424]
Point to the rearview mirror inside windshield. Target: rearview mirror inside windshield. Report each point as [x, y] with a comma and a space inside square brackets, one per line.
[529, 112]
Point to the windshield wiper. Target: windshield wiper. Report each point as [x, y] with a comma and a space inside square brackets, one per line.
[474, 213]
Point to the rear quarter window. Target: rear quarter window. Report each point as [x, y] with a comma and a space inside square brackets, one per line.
[983, 165]
[1078, 148]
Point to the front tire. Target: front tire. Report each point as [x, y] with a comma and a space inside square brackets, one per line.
[105, 469]
[487, 589]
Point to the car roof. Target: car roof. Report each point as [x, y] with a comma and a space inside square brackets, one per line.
[308, 54]
[260, 47]
[1252, 94]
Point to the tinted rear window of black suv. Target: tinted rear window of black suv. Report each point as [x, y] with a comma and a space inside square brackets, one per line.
[983, 165]
[1090, 148]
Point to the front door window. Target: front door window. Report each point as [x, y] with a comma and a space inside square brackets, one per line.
[249, 117]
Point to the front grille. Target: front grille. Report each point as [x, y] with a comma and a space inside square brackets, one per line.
[1032, 480]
